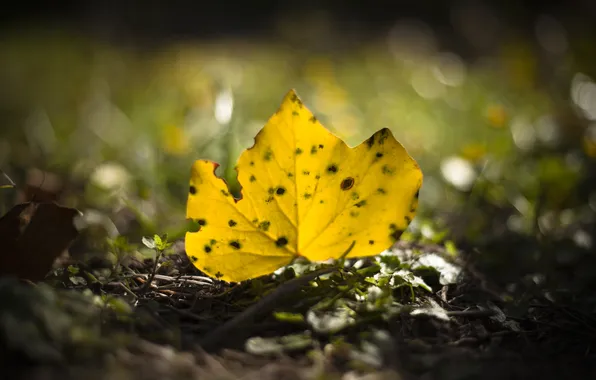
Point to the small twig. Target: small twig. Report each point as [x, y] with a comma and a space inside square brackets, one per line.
[122, 285]
[12, 184]
[188, 314]
[263, 306]
[166, 292]
[195, 280]
[342, 258]
[187, 280]
[189, 277]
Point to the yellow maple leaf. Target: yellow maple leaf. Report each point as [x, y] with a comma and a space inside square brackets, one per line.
[304, 193]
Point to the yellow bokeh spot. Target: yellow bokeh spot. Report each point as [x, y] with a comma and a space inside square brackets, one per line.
[175, 140]
[473, 152]
[319, 71]
[496, 116]
[589, 146]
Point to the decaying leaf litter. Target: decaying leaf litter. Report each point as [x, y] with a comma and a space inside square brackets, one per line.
[414, 310]
[359, 319]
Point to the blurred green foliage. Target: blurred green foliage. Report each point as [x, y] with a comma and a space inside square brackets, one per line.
[505, 136]
[123, 125]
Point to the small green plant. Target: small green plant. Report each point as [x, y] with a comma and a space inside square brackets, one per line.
[159, 244]
[121, 248]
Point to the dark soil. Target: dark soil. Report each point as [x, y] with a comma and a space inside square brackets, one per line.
[185, 326]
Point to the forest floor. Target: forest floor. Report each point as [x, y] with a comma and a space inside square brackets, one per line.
[417, 311]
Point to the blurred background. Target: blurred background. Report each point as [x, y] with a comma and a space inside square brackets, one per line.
[105, 105]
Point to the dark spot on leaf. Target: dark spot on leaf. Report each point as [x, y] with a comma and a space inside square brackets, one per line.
[332, 168]
[296, 99]
[193, 259]
[219, 275]
[392, 227]
[282, 241]
[371, 242]
[192, 190]
[383, 134]
[395, 235]
[295, 113]
[347, 183]
[354, 214]
[235, 244]
[232, 223]
[298, 151]
[355, 196]
[408, 219]
[252, 163]
[321, 201]
[290, 175]
[380, 190]
[417, 194]
[255, 221]
[207, 248]
[379, 155]
[269, 199]
[207, 269]
[361, 203]
[312, 119]
[271, 190]
[252, 178]
[305, 172]
[212, 241]
[321, 146]
[201, 222]
[307, 195]
[267, 155]
[313, 149]
[350, 234]
[264, 225]
[413, 206]
[371, 141]
[280, 190]
[387, 170]
[225, 193]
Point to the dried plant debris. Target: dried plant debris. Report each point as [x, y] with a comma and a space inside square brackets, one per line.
[33, 236]
[379, 317]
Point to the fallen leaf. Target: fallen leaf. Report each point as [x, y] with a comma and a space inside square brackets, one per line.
[32, 236]
[304, 193]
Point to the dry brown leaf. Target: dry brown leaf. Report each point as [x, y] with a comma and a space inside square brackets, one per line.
[32, 236]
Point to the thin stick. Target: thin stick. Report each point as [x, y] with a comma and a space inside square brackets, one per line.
[195, 280]
[12, 184]
[264, 306]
